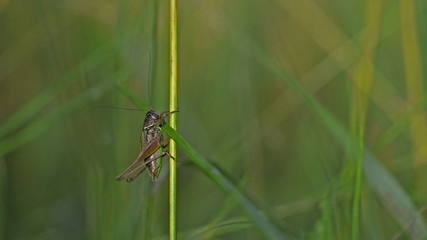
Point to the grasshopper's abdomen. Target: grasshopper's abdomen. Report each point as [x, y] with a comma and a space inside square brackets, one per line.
[155, 166]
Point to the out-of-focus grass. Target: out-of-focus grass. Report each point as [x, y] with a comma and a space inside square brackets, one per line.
[271, 117]
[415, 90]
[215, 175]
[359, 106]
[385, 185]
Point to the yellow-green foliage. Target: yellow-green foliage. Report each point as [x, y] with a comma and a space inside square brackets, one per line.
[297, 119]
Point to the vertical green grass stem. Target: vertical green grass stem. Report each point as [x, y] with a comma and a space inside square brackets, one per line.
[261, 221]
[173, 107]
[358, 186]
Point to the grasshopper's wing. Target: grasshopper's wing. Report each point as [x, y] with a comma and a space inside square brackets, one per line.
[130, 176]
[147, 151]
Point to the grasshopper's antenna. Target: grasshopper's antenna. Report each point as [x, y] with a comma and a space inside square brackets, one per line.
[122, 108]
[149, 76]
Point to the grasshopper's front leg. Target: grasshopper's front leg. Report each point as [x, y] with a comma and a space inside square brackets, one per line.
[164, 114]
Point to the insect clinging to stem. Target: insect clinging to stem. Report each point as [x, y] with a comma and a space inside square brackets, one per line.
[152, 144]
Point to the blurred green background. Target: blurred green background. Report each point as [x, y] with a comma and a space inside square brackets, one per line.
[278, 94]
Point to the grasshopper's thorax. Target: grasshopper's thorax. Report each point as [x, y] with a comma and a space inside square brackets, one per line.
[150, 127]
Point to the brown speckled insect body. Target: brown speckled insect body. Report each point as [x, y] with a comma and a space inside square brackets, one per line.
[152, 144]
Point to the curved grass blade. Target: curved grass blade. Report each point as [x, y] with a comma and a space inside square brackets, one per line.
[135, 100]
[216, 176]
[225, 184]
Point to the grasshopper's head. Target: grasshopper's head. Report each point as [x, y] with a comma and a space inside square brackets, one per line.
[153, 119]
[152, 115]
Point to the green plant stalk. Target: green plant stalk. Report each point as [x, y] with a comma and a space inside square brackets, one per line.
[415, 90]
[266, 227]
[362, 90]
[3, 198]
[172, 107]
[358, 188]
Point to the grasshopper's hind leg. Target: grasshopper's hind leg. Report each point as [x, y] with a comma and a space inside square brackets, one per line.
[129, 176]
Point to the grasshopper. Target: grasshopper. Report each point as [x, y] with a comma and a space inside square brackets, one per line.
[152, 144]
